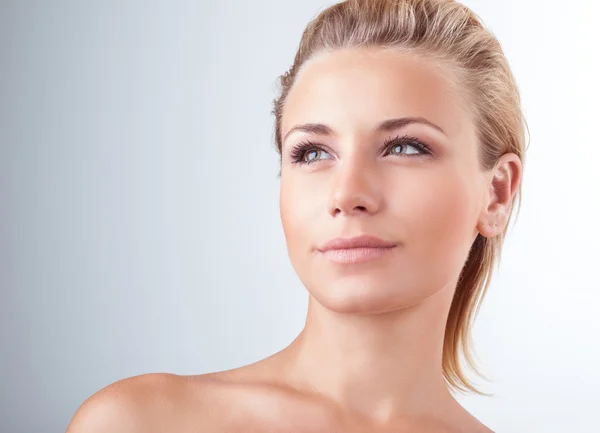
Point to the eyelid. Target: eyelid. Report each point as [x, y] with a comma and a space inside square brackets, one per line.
[410, 140]
[299, 150]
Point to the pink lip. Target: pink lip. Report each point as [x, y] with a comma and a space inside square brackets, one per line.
[364, 241]
[359, 249]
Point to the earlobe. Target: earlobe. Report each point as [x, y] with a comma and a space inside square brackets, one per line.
[488, 229]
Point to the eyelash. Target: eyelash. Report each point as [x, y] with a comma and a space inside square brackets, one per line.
[301, 149]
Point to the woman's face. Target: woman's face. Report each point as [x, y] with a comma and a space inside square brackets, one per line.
[414, 183]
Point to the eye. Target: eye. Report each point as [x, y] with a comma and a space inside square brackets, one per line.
[406, 146]
[313, 155]
[396, 149]
[307, 153]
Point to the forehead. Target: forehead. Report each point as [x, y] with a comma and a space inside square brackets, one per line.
[354, 89]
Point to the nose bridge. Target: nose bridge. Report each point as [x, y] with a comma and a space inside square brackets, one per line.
[354, 185]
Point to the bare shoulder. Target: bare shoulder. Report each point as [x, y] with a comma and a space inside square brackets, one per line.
[229, 401]
[147, 403]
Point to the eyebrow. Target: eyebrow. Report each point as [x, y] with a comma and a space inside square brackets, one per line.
[385, 126]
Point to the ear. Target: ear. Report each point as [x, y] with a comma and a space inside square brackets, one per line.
[503, 182]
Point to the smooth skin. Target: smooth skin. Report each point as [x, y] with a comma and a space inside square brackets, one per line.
[370, 356]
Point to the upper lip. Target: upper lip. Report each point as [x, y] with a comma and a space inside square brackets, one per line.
[363, 241]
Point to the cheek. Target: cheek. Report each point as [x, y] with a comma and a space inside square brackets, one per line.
[299, 210]
[440, 214]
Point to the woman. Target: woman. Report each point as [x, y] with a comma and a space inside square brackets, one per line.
[402, 141]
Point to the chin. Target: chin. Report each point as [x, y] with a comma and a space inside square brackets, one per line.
[357, 295]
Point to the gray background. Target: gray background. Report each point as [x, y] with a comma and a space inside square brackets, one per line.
[139, 221]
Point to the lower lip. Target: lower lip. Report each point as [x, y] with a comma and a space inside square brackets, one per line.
[356, 255]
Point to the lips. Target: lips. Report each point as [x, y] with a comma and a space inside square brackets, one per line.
[360, 249]
[363, 241]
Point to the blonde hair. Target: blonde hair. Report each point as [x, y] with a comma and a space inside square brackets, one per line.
[450, 32]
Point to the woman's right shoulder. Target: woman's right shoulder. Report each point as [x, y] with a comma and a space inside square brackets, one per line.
[148, 402]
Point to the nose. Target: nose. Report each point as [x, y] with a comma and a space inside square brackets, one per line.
[354, 189]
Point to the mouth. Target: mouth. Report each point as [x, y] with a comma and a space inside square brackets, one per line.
[356, 255]
[356, 250]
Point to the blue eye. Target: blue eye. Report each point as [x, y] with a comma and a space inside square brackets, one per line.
[312, 155]
[406, 142]
[308, 152]
[403, 147]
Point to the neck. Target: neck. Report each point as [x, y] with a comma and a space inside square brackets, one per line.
[384, 366]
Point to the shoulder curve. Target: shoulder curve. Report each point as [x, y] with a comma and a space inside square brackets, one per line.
[128, 405]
